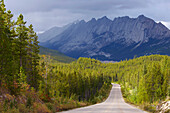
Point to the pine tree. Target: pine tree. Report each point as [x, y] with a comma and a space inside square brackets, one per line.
[35, 62]
[3, 39]
[22, 37]
[5, 46]
[21, 79]
[142, 90]
[33, 58]
[29, 48]
[165, 72]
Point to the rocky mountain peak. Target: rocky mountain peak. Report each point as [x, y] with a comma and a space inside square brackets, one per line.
[103, 19]
[124, 18]
[105, 39]
[93, 20]
[141, 16]
[82, 22]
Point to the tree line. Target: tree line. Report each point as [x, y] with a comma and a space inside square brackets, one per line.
[19, 51]
[143, 80]
[82, 79]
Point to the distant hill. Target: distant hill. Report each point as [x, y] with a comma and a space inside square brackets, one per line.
[106, 39]
[56, 55]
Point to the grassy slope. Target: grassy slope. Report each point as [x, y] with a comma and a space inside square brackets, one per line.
[56, 55]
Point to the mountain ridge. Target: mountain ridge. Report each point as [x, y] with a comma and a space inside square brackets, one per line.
[107, 39]
[55, 55]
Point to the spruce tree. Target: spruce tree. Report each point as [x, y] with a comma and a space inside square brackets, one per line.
[33, 51]
[5, 46]
[22, 37]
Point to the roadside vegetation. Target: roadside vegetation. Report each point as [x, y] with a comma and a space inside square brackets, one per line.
[145, 81]
[30, 82]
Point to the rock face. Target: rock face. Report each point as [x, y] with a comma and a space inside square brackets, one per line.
[106, 39]
[51, 33]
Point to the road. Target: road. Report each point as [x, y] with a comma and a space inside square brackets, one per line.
[113, 104]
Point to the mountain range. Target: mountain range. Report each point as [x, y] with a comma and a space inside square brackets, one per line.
[106, 39]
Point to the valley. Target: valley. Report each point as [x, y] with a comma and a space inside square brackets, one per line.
[96, 66]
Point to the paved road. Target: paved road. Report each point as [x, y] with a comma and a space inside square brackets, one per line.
[113, 104]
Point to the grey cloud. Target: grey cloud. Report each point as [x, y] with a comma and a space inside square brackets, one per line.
[27, 6]
[44, 14]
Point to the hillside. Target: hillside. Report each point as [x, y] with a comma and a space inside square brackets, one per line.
[106, 39]
[56, 55]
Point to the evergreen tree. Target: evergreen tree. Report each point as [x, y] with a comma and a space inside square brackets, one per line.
[22, 37]
[5, 47]
[33, 58]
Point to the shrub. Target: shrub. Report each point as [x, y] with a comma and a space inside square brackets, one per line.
[22, 108]
[40, 108]
[14, 110]
[29, 102]
[149, 107]
[1, 107]
[51, 107]
[5, 105]
[13, 103]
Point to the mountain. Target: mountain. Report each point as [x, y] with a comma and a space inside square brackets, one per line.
[56, 55]
[105, 39]
[51, 33]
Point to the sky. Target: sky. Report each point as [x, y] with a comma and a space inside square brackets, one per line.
[45, 14]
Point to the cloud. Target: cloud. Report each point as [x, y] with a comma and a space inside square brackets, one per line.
[45, 20]
[44, 14]
[27, 6]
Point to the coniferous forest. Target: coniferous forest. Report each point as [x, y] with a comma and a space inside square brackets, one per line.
[32, 83]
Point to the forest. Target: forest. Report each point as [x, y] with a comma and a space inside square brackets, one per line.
[30, 82]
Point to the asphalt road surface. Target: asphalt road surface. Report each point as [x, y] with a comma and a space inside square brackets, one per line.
[113, 104]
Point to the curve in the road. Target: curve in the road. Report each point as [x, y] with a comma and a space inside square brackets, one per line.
[113, 104]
